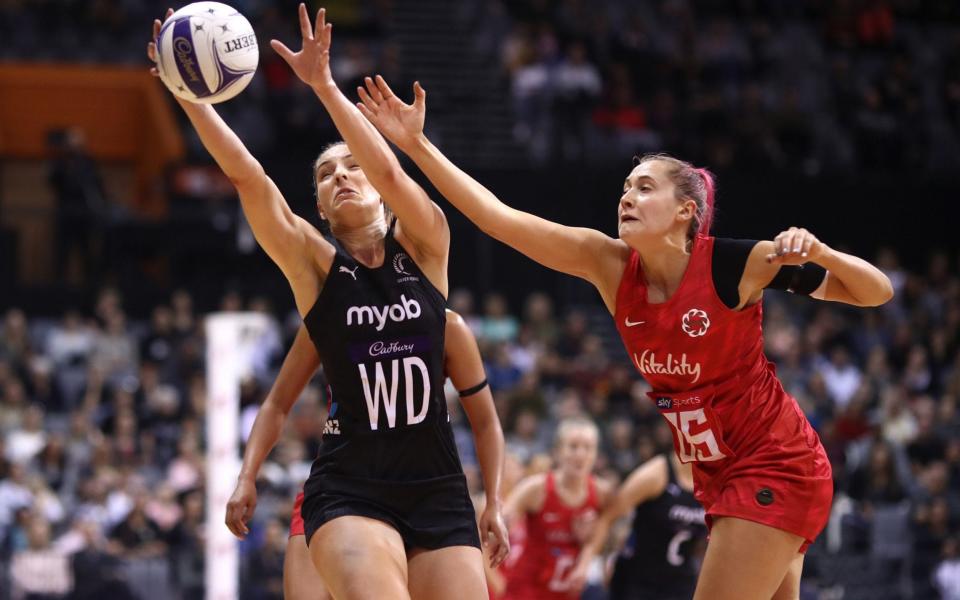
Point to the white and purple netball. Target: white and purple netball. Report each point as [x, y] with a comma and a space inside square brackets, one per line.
[207, 52]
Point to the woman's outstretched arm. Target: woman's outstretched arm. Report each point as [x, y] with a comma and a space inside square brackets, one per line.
[579, 251]
[420, 219]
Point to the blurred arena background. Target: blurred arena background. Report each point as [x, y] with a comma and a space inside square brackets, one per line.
[118, 235]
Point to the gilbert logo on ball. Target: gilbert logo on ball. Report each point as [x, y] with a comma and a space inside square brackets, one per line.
[207, 52]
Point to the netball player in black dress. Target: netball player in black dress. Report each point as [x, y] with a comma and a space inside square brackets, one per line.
[386, 505]
[659, 559]
[464, 367]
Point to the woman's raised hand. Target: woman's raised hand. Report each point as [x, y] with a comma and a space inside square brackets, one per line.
[152, 44]
[312, 63]
[399, 122]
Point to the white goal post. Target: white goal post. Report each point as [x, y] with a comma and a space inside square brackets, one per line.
[231, 340]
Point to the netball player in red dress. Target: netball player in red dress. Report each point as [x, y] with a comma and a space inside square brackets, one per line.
[462, 363]
[559, 508]
[688, 308]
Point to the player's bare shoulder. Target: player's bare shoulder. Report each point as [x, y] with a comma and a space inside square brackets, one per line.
[606, 487]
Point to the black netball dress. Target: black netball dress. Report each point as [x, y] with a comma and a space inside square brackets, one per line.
[388, 451]
[657, 561]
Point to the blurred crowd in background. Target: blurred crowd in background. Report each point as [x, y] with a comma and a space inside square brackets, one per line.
[101, 476]
[809, 86]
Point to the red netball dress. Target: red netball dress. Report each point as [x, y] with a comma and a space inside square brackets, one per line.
[754, 454]
[296, 519]
[550, 548]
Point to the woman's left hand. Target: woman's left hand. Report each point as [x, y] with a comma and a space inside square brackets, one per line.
[312, 63]
[493, 534]
[399, 122]
[796, 246]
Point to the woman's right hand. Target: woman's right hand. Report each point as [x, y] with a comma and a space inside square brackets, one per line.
[576, 578]
[312, 63]
[399, 122]
[241, 506]
[152, 44]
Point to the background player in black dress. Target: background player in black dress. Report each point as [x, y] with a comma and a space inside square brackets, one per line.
[658, 560]
[358, 548]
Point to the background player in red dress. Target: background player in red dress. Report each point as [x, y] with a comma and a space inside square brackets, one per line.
[463, 365]
[559, 508]
[688, 310]
[658, 560]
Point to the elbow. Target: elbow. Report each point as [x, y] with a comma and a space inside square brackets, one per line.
[887, 294]
[884, 293]
[247, 176]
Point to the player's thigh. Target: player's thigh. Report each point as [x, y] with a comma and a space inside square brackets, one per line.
[446, 572]
[745, 560]
[300, 578]
[790, 586]
[359, 558]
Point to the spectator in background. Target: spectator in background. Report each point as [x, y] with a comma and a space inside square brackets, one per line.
[137, 536]
[40, 572]
[841, 377]
[187, 547]
[15, 495]
[80, 204]
[115, 352]
[622, 120]
[71, 341]
[577, 86]
[497, 324]
[159, 344]
[531, 97]
[25, 442]
[947, 574]
[526, 439]
[538, 317]
[931, 530]
[15, 345]
[266, 566]
[461, 302]
[13, 405]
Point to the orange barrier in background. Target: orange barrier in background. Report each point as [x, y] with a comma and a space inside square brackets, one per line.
[126, 115]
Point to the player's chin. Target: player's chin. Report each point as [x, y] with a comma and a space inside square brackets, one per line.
[630, 230]
[353, 210]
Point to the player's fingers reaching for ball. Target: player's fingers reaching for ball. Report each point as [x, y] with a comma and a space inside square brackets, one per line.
[419, 95]
[281, 49]
[320, 23]
[366, 100]
[383, 87]
[305, 28]
[373, 90]
[323, 30]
